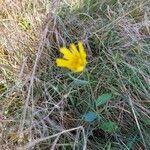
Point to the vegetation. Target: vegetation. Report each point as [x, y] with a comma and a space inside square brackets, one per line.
[105, 107]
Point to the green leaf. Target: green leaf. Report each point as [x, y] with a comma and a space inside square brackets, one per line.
[109, 126]
[78, 82]
[90, 116]
[103, 99]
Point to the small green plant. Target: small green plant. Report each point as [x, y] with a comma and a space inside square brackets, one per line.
[109, 126]
[102, 99]
[24, 24]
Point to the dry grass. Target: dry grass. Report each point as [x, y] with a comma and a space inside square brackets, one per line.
[43, 106]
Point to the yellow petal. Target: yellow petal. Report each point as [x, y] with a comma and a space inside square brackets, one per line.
[79, 69]
[76, 68]
[62, 62]
[67, 53]
[77, 65]
[82, 51]
[69, 64]
[74, 50]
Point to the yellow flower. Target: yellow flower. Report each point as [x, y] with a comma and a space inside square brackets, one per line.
[73, 59]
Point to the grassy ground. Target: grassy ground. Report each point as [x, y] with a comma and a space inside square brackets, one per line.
[106, 107]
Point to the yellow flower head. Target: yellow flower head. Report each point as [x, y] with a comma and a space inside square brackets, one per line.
[73, 59]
